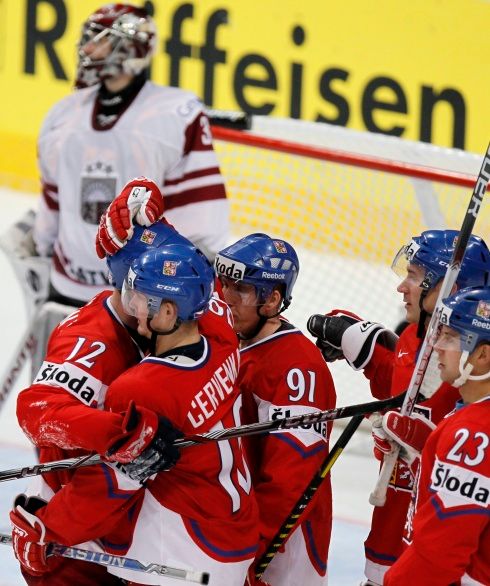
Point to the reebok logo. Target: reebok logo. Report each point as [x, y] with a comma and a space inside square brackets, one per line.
[72, 379]
[455, 484]
[480, 324]
[276, 276]
[229, 268]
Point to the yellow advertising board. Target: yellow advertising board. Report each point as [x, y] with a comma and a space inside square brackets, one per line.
[418, 69]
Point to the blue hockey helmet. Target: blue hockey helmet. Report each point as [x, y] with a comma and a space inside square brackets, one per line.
[468, 313]
[433, 251]
[143, 239]
[261, 261]
[176, 272]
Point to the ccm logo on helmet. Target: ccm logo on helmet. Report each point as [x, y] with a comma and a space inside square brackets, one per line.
[72, 379]
[229, 268]
[480, 324]
[453, 484]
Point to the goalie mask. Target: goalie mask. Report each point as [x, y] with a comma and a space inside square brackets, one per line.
[122, 40]
[433, 251]
[263, 262]
[176, 272]
[467, 314]
[142, 240]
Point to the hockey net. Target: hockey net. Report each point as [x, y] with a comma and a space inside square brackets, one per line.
[347, 201]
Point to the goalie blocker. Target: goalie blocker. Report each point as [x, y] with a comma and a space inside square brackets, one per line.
[342, 334]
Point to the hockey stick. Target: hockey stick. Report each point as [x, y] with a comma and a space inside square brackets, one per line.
[378, 496]
[315, 483]
[301, 504]
[106, 559]
[306, 420]
[26, 346]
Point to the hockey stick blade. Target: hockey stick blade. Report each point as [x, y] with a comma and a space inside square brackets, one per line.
[307, 419]
[109, 560]
[378, 496]
[229, 119]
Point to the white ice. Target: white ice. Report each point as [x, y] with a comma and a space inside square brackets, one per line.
[353, 475]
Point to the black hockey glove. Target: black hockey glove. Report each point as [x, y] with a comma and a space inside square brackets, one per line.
[342, 334]
[161, 454]
[329, 329]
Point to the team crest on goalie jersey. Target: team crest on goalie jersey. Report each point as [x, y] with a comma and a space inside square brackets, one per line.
[98, 189]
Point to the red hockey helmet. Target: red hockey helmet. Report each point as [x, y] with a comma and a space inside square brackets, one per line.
[126, 36]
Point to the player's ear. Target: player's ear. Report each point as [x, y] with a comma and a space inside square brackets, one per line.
[273, 302]
[483, 354]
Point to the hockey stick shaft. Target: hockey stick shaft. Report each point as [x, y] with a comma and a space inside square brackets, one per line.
[106, 559]
[306, 420]
[378, 496]
[26, 346]
[301, 504]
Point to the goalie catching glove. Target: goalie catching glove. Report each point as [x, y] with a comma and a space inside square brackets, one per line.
[147, 444]
[140, 200]
[341, 334]
[29, 536]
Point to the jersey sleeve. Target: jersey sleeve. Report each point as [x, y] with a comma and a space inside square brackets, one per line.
[60, 408]
[379, 372]
[454, 510]
[196, 176]
[99, 502]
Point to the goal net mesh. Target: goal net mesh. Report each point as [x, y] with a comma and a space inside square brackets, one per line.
[346, 222]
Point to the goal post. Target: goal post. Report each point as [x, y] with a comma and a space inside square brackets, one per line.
[347, 201]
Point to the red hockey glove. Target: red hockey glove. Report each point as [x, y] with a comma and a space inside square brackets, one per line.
[29, 536]
[382, 444]
[140, 200]
[160, 455]
[410, 432]
[139, 427]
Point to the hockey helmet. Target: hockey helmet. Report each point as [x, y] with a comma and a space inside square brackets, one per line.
[433, 251]
[175, 272]
[143, 239]
[261, 261]
[132, 36]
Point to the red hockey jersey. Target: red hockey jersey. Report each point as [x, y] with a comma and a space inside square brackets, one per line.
[449, 518]
[210, 487]
[393, 371]
[281, 376]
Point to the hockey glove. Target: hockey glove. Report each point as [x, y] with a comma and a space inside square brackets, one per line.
[329, 329]
[383, 445]
[140, 200]
[139, 427]
[160, 455]
[29, 536]
[410, 432]
[342, 334]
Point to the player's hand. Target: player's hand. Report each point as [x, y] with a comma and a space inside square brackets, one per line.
[383, 445]
[146, 445]
[29, 536]
[140, 200]
[342, 334]
[410, 432]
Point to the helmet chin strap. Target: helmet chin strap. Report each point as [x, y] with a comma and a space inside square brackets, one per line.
[465, 370]
[155, 333]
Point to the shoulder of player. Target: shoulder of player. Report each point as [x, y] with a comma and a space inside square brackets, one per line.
[176, 101]
[64, 108]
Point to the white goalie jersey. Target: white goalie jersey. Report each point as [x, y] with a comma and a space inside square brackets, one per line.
[163, 135]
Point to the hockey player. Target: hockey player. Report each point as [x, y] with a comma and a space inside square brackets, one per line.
[422, 263]
[202, 514]
[62, 414]
[448, 526]
[281, 374]
[120, 126]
